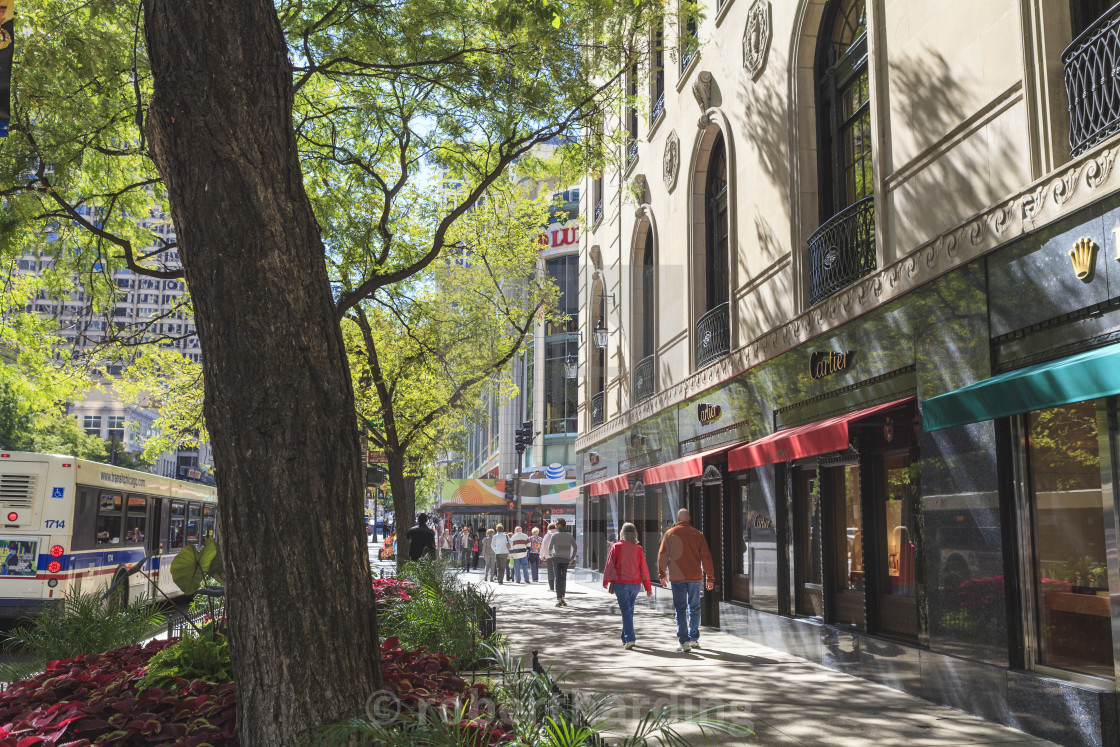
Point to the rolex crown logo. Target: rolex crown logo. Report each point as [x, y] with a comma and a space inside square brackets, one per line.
[1082, 255]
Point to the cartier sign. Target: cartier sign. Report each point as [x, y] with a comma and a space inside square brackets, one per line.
[708, 413]
[824, 364]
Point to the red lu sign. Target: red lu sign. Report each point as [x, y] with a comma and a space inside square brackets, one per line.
[565, 236]
[376, 457]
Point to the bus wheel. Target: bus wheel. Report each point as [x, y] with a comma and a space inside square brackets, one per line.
[119, 597]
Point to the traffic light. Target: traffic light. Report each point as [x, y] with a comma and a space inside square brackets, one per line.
[524, 436]
[509, 490]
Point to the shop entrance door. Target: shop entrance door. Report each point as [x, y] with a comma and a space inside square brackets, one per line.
[705, 504]
[808, 566]
[844, 515]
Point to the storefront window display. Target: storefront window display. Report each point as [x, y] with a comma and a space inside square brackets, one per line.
[809, 567]
[1071, 566]
[849, 544]
[897, 551]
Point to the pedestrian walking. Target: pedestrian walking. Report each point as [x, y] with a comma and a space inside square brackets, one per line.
[488, 556]
[684, 554]
[625, 575]
[563, 548]
[421, 539]
[474, 548]
[546, 555]
[509, 566]
[464, 546]
[446, 545]
[518, 553]
[534, 555]
[501, 545]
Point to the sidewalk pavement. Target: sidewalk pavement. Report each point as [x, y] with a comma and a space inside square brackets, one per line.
[783, 699]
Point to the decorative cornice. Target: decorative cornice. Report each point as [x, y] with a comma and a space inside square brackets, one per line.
[1080, 183]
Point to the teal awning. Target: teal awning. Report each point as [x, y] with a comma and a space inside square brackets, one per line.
[1088, 375]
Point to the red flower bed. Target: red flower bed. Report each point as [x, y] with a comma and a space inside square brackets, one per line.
[418, 679]
[92, 700]
[388, 591]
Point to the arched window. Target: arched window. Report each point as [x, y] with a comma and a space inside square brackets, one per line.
[845, 111]
[713, 331]
[647, 297]
[644, 332]
[598, 378]
[843, 249]
[715, 226]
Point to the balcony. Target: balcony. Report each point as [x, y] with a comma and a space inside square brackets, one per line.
[598, 212]
[632, 152]
[686, 57]
[598, 410]
[645, 382]
[713, 335]
[1092, 68]
[842, 250]
[657, 109]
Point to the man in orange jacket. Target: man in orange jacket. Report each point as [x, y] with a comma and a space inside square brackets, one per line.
[684, 554]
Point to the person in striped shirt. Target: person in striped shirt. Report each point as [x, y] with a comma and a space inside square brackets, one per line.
[534, 556]
[518, 552]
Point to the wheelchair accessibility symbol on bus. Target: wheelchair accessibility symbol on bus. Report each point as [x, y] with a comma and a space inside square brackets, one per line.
[57, 492]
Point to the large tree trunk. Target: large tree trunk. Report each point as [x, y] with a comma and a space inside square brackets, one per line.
[279, 403]
[404, 500]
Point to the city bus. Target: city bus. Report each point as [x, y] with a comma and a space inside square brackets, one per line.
[70, 525]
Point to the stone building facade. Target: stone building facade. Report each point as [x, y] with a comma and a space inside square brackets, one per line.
[852, 295]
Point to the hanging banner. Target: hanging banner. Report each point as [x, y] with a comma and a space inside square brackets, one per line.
[7, 53]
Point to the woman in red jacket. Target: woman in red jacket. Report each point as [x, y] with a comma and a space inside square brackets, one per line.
[627, 570]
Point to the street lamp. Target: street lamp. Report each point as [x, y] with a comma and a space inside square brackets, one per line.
[571, 368]
[600, 335]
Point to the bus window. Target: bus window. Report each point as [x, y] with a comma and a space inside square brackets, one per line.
[85, 519]
[195, 513]
[208, 513]
[178, 524]
[136, 522]
[110, 519]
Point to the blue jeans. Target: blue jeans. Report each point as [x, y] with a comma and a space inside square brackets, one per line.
[521, 570]
[626, 595]
[686, 609]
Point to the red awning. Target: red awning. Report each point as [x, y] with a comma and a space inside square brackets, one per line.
[684, 468]
[803, 441]
[615, 484]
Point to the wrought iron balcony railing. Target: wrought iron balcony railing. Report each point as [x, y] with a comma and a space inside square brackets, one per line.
[657, 109]
[842, 250]
[686, 57]
[632, 152]
[1092, 76]
[598, 211]
[713, 335]
[645, 382]
[598, 410]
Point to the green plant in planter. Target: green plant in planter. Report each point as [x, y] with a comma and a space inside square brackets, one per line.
[77, 624]
[201, 572]
[443, 614]
[192, 658]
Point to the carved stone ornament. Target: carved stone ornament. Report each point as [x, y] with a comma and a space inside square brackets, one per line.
[641, 189]
[702, 90]
[671, 164]
[756, 38]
